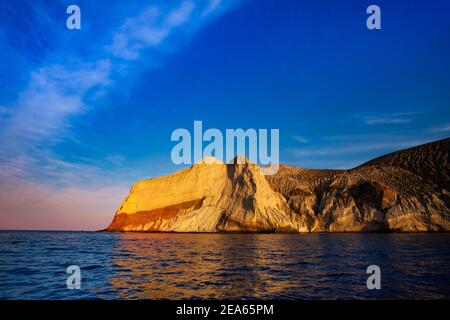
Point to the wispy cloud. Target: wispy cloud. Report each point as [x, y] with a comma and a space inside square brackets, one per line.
[356, 137]
[301, 139]
[443, 128]
[4, 111]
[387, 118]
[357, 148]
[58, 92]
[54, 93]
[148, 29]
[115, 159]
[349, 150]
[212, 6]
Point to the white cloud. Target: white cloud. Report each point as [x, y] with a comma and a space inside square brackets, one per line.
[388, 118]
[180, 15]
[44, 110]
[115, 159]
[356, 148]
[212, 6]
[349, 150]
[57, 92]
[148, 29]
[440, 129]
[301, 139]
[53, 94]
[4, 111]
[38, 184]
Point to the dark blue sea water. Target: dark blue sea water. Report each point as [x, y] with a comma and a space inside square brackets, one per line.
[225, 266]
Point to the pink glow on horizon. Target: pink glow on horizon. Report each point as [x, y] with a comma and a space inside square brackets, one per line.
[26, 205]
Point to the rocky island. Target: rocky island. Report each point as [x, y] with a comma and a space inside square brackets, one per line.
[405, 191]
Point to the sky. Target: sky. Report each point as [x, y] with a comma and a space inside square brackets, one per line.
[85, 113]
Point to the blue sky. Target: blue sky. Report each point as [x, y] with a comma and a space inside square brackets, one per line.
[85, 113]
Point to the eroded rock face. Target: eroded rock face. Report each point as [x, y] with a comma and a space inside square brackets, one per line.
[407, 191]
[213, 197]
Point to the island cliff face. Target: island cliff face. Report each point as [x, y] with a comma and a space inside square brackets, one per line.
[211, 197]
[406, 191]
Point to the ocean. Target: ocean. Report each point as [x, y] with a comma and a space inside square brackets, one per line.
[33, 265]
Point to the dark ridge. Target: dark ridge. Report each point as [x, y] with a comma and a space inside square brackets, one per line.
[430, 161]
